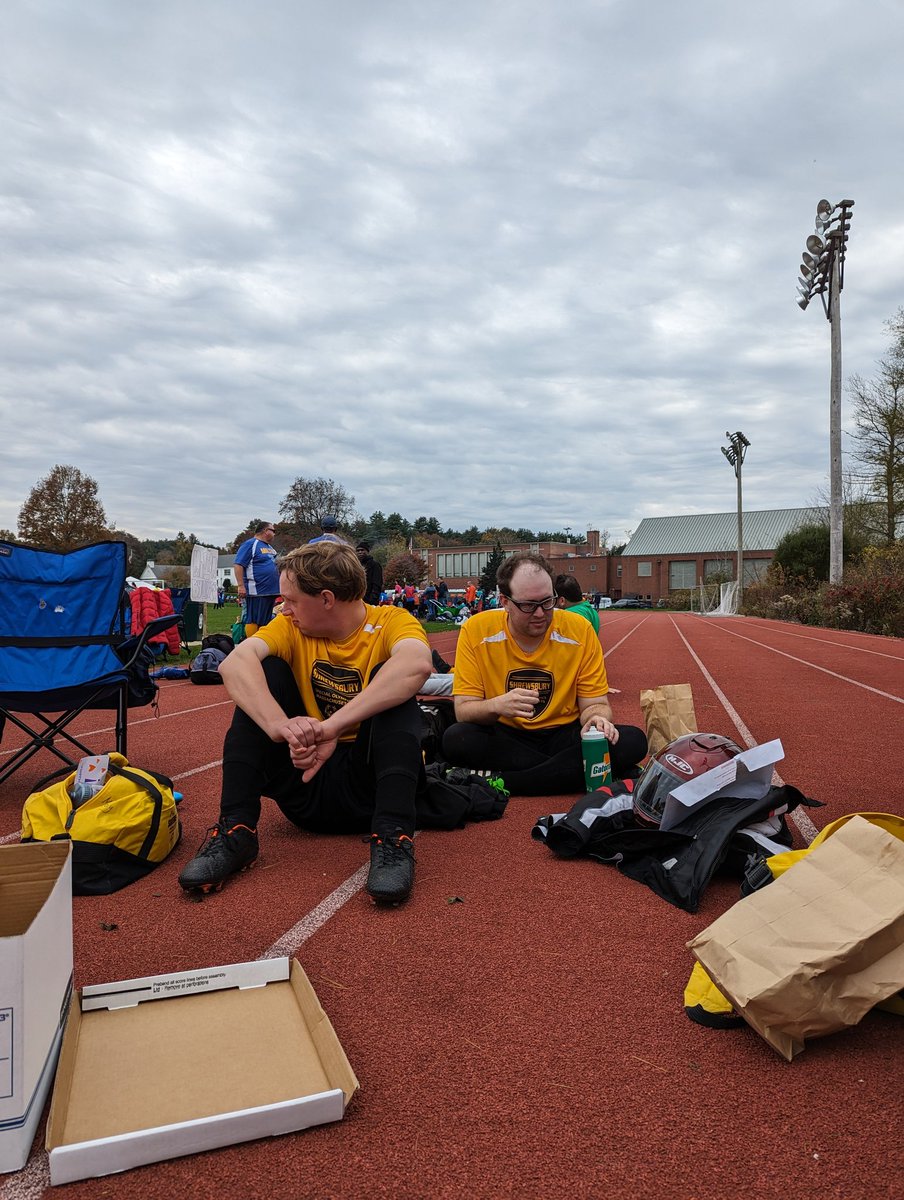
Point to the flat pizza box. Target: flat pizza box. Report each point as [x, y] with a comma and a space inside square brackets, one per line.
[169, 1065]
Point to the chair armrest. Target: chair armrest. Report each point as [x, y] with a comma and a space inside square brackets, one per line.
[153, 627]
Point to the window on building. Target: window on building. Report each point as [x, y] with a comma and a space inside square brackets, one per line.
[644, 570]
[724, 567]
[618, 570]
[456, 564]
[755, 569]
[682, 575]
[571, 567]
[593, 566]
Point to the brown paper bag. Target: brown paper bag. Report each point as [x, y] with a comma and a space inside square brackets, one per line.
[668, 713]
[815, 950]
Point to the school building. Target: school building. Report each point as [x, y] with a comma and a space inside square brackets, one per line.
[665, 554]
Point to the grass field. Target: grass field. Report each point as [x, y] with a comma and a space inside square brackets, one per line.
[221, 620]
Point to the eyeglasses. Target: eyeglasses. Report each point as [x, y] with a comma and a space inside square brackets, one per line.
[530, 606]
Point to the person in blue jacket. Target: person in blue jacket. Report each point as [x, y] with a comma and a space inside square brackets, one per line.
[257, 577]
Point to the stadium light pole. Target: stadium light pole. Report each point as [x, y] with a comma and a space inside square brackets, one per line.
[822, 273]
[735, 454]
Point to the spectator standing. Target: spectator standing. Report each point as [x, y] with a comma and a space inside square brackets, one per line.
[257, 577]
[373, 574]
[328, 526]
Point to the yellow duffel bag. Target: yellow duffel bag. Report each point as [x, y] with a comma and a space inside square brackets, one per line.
[118, 835]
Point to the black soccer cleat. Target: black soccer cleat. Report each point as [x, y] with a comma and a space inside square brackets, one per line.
[439, 663]
[391, 874]
[225, 852]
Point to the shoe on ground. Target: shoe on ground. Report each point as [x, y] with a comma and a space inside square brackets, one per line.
[391, 874]
[227, 850]
[439, 663]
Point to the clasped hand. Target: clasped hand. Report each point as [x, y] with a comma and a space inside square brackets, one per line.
[310, 744]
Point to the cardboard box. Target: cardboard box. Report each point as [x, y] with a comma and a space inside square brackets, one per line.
[170, 1065]
[35, 984]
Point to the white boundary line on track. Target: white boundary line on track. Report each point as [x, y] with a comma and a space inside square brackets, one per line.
[140, 721]
[287, 945]
[801, 820]
[821, 641]
[825, 670]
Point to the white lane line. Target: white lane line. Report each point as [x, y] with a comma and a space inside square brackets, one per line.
[825, 670]
[197, 770]
[140, 721]
[287, 945]
[633, 629]
[799, 817]
[822, 641]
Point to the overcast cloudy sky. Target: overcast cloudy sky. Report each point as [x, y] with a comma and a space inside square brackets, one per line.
[515, 263]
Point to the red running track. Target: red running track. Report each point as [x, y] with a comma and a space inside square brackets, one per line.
[531, 1041]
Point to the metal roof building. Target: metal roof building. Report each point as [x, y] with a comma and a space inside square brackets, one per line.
[699, 533]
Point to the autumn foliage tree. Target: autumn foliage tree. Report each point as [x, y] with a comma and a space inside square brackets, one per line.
[63, 511]
[405, 568]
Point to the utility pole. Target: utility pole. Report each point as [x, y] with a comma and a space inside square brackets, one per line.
[735, 455]
[822, 273]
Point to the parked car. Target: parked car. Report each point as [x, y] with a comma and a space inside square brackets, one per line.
[629, 602]
[605, 602]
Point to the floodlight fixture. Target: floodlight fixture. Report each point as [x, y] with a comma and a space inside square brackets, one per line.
[734, 452]
[822, 274]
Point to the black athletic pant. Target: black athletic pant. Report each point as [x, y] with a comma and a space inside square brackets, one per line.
[370, 784]
[537, 762]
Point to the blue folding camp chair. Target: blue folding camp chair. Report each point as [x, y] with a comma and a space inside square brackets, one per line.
[65, 646]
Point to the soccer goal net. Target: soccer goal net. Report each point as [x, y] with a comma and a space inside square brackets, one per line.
[727, 605]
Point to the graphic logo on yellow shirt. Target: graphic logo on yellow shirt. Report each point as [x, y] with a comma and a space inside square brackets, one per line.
[334, 686]
[541, 682]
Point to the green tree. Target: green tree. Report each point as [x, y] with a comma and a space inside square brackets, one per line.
[494, 562]
[182, 548]
[63, 511]
[388, 549]
[397, 526]
[803, 554]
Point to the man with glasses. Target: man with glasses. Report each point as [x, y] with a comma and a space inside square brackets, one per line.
[257, 578]
[529, 679]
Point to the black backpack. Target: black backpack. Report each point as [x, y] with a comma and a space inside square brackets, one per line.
[218, 641]
[454, 795]
[437, 714]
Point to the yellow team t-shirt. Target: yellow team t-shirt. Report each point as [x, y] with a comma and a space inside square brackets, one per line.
[566, 665]
[328, 673]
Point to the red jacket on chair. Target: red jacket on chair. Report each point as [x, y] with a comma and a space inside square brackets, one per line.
[148, 603]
